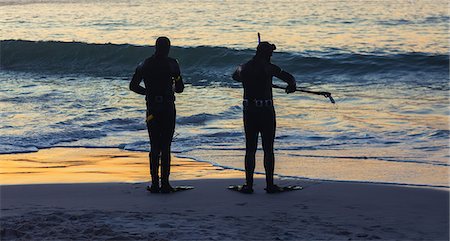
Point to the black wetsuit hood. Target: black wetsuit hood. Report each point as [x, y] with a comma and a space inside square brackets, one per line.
[265, 50]
[162, 47]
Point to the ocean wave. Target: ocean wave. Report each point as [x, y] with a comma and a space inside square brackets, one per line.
[440, 134]
[438, 19]
[118, 124]
[33, 140]
[198, 63]
[202, 118]
[197, 119]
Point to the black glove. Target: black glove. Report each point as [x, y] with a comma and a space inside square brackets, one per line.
[291, 88]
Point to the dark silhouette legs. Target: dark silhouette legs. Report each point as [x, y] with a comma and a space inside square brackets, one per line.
[154, 166]
[251, 139]
[259, 121]
[160, 130]
[268, 137]
[165, 165]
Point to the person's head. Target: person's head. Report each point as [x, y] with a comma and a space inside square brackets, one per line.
[162, 46]
[265, 50]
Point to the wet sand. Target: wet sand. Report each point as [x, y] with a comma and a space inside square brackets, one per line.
[92, 165]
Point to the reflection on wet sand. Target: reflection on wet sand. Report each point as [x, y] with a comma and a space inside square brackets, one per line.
[86, 165]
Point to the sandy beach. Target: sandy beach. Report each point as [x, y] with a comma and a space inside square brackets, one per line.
[126, 211]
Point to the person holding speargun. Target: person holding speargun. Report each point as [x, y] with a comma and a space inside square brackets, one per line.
[259, 113]
[162, 77]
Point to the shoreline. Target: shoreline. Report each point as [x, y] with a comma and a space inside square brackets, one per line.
[204, 167]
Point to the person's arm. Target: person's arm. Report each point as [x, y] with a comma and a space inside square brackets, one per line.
[178, 80]
[135, 84]
[286, 77]
[237, 74]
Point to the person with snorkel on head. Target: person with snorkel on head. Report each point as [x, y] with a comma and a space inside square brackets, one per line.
[162, 77]
[259, 113]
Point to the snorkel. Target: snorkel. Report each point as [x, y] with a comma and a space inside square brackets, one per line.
[264, 49]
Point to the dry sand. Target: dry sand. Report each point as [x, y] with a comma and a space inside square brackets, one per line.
[126, 211]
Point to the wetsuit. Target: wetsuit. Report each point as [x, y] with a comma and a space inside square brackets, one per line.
[259, 113]
[159, 74]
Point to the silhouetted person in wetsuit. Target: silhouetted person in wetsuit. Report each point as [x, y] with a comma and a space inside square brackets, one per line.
[162, 77]
[259, 113]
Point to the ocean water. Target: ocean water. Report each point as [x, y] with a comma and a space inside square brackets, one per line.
[66, 66]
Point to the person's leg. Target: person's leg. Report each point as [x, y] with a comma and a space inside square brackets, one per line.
[155, 150]
[251, 142]
[168, 129]
[268, 136]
